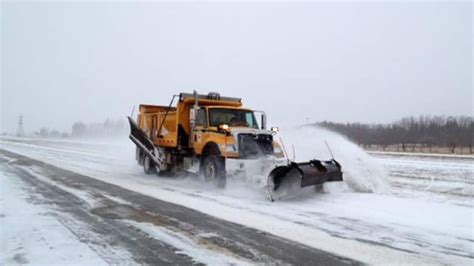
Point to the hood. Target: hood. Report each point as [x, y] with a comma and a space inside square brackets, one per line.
[237, 130]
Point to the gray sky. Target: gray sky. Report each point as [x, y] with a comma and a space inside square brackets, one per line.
[368, 62]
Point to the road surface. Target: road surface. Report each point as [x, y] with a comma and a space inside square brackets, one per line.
[105, 201]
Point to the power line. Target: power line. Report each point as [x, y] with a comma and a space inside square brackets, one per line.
[20, 132]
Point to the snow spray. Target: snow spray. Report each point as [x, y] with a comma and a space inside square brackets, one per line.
[361, 172]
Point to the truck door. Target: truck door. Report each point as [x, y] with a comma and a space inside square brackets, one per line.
[200, 129]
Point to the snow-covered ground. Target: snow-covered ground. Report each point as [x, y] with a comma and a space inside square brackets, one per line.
[422, 211]
[432, 178]
[31, 233]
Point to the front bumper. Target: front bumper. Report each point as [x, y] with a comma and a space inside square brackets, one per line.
[260, 167]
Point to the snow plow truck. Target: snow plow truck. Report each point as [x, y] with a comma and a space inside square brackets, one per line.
[216, 137]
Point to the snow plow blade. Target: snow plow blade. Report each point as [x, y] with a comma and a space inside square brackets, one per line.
[289, 179]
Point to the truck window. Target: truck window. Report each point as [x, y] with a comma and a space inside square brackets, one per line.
[232, 117]
[250, 119]
[201, 119]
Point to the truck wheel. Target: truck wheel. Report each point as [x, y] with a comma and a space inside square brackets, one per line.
[148, 165]
[214, 170]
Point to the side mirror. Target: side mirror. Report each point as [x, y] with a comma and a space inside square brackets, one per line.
[275, 129]
[264, 121]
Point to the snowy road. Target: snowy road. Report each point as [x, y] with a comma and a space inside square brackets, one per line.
[427, 217]
[146, 230]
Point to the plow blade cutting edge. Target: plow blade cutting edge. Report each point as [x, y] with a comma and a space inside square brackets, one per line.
[288, 179]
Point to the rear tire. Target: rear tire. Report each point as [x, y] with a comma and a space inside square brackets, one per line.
[148, 165]
[213, 169]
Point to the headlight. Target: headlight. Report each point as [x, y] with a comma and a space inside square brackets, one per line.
[277, 150]
[230, 148]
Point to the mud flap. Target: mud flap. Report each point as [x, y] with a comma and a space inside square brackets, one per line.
[288, 179]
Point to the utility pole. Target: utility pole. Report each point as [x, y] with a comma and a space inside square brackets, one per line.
[20, 132]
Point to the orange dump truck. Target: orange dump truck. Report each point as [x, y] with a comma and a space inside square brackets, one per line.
[217, 137]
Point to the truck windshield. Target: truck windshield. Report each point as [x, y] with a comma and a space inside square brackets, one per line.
[232, 117]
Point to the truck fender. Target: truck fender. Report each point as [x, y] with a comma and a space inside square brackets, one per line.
[211, 148]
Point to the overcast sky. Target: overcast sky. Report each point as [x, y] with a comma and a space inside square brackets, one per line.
[368, 62]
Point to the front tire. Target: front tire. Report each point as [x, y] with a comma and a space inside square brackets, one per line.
[213, 169]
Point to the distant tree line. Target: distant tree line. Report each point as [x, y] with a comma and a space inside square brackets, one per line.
[108, 128]
[429, 131]
[50, 133]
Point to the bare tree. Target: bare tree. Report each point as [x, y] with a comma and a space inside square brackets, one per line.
[424, 131]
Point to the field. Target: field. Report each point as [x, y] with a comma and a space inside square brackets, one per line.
[419, 148]
[89, 202]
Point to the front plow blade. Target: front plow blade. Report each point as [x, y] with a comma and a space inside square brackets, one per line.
[287, 180]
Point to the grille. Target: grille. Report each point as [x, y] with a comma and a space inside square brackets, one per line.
[251, 145]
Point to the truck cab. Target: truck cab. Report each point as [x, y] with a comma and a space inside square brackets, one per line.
[236, 130]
